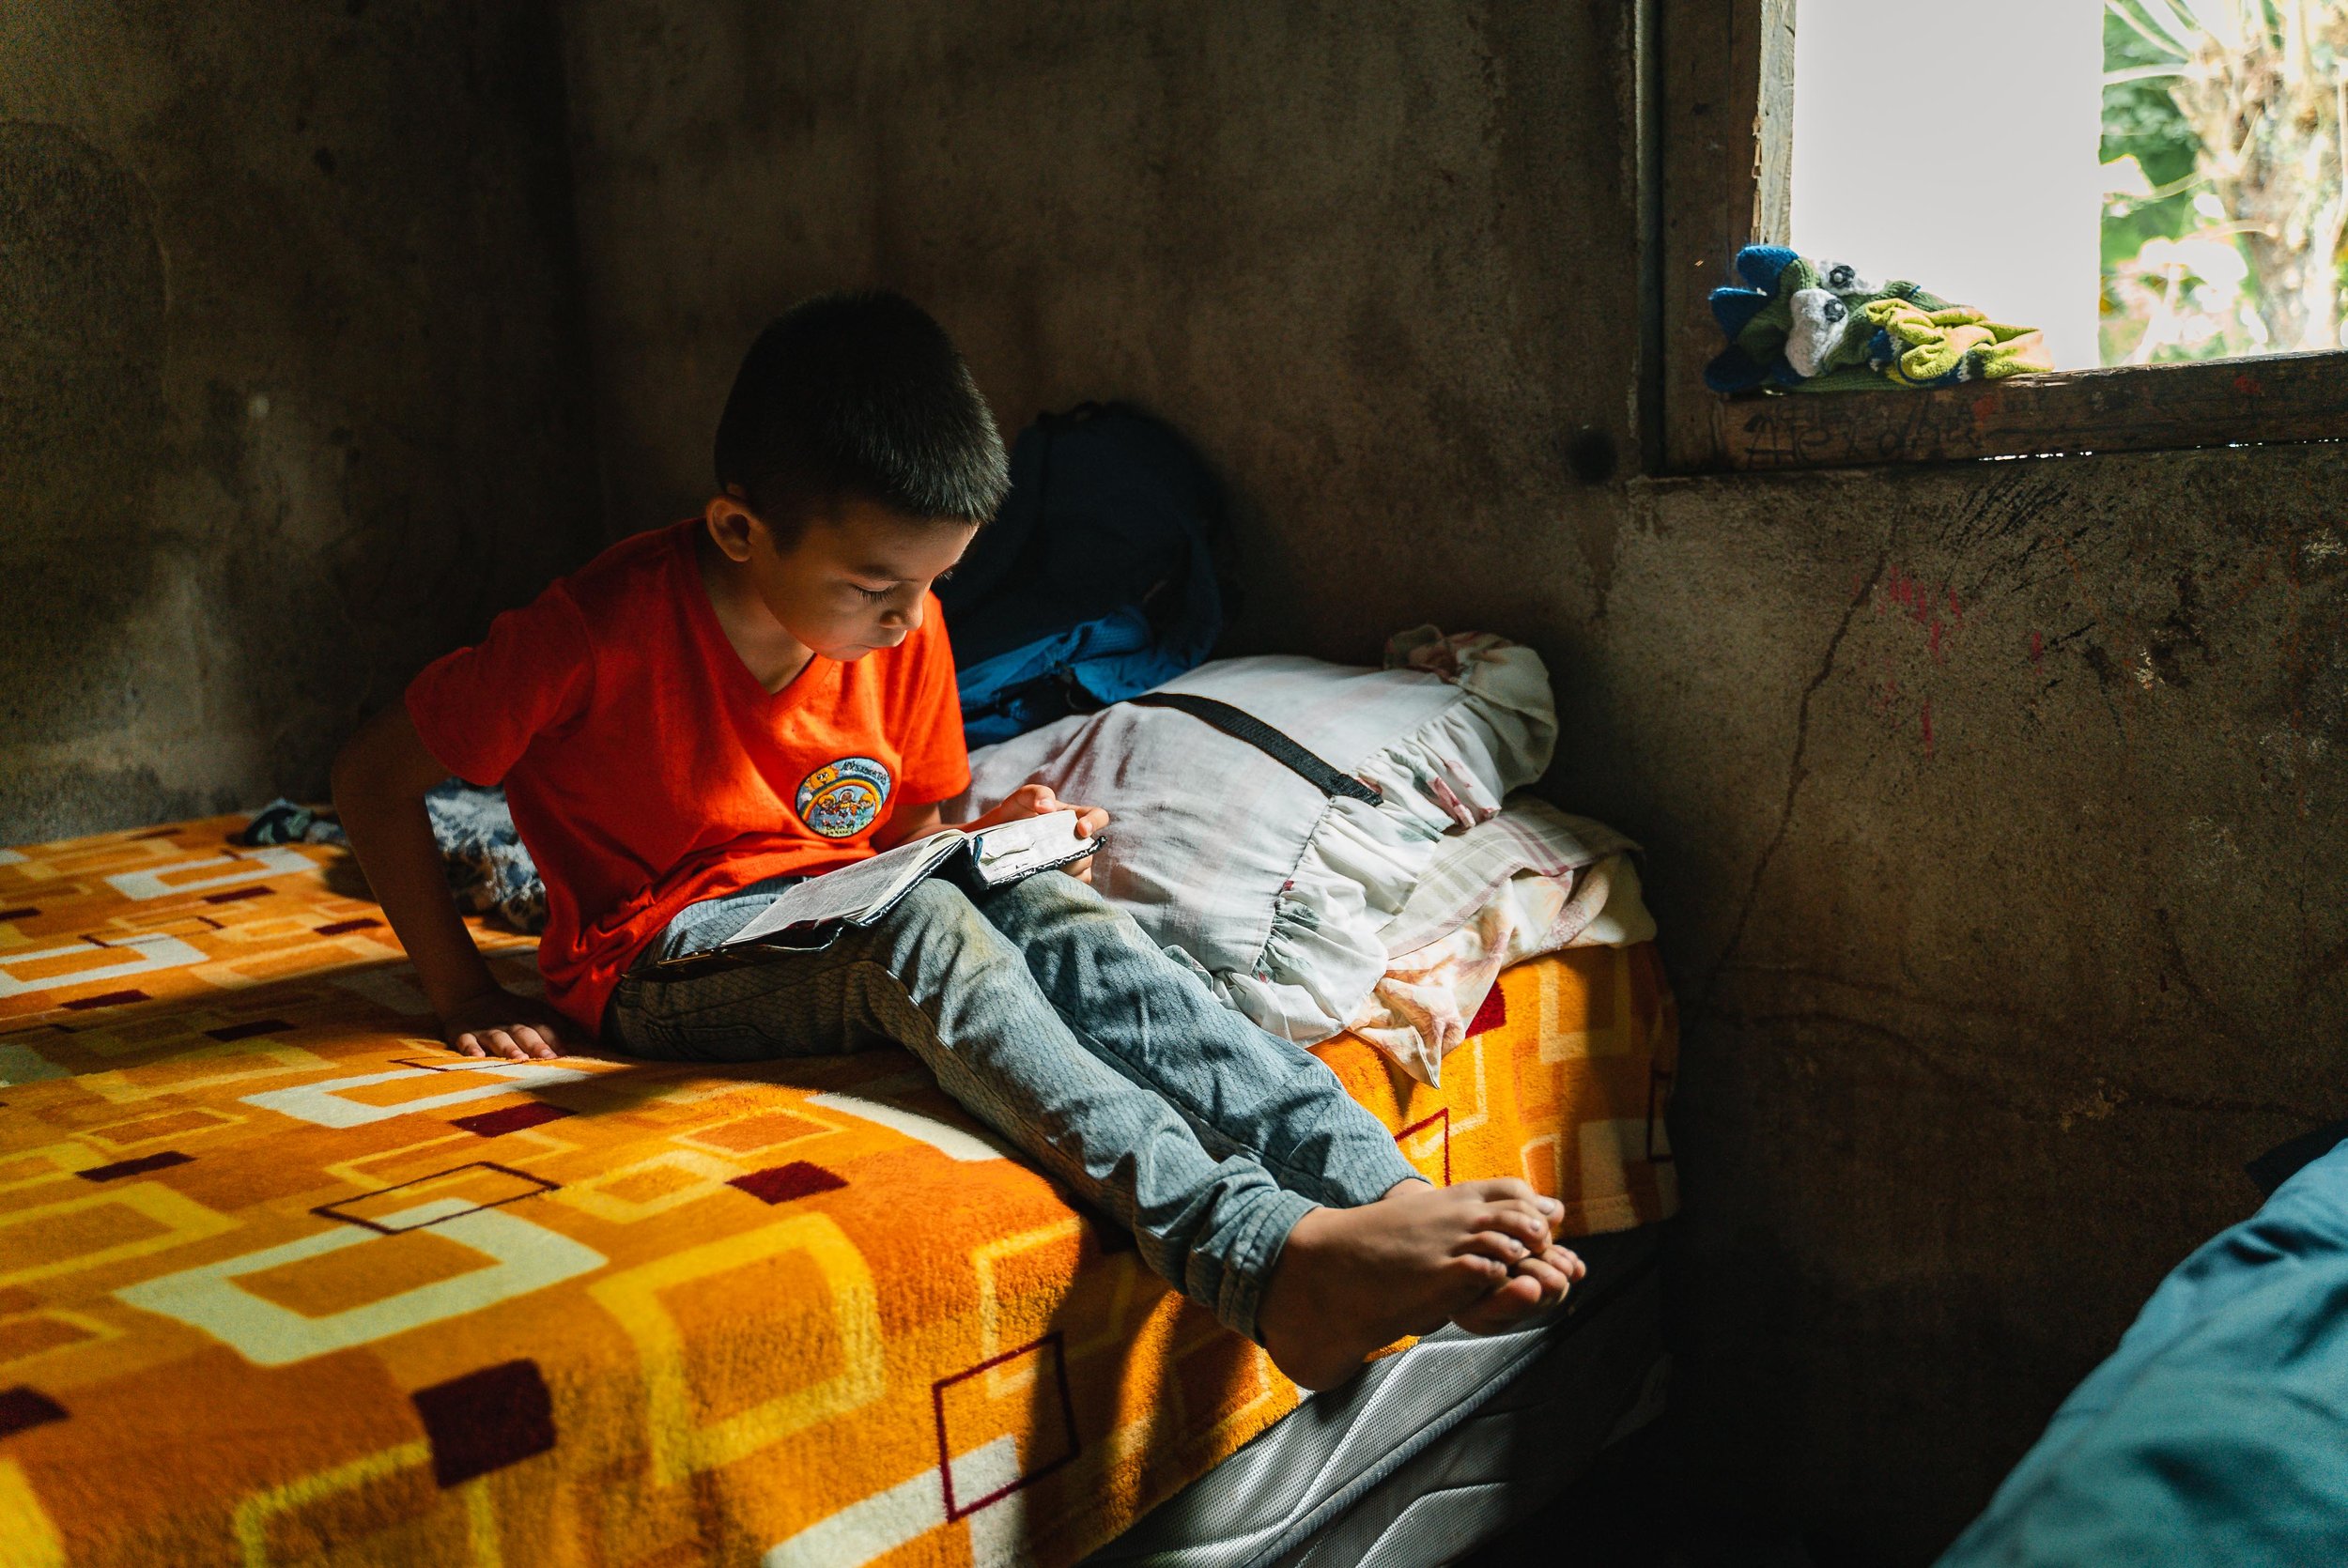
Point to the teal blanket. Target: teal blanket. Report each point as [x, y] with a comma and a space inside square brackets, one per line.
[2217, 1433]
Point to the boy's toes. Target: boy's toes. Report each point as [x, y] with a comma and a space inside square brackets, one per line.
[1506, 1304]
[1555, 1282]
[1500, 1189]
[1499, 1245]
[1482, 1270]
[1520, 1220]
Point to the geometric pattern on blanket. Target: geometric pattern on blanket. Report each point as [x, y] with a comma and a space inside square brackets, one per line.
[280, 1279]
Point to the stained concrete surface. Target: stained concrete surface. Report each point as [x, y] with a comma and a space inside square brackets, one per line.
[1996, 819]
[292, 382]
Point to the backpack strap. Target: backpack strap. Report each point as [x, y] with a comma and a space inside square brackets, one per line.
[1242, 726]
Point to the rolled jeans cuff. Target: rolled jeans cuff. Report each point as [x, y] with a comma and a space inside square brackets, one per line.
[1247, 1265]
[1380, 1170]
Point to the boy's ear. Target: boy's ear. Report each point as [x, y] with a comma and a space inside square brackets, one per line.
[731, 520]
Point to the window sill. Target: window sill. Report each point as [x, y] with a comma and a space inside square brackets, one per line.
[2276, 397]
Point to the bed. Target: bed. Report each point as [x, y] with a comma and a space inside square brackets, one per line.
[282, 1280]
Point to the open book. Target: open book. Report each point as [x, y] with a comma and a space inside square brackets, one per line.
[861, 892]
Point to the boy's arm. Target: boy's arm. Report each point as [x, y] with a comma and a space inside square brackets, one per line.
[380, 781]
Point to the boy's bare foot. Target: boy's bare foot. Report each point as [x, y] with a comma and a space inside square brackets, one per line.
[1351, 1279]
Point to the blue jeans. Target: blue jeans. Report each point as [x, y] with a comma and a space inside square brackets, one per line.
[1054, 1019]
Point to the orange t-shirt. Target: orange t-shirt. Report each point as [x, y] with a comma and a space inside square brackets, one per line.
[646, 766]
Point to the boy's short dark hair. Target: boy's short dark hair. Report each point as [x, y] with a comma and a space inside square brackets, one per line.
[860, 394]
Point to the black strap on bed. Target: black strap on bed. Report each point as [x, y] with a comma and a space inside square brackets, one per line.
[1243, 725]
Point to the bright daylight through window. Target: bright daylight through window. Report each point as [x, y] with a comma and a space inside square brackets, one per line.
[2143, 180]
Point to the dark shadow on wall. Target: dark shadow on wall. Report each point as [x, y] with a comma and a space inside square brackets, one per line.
[81, 398]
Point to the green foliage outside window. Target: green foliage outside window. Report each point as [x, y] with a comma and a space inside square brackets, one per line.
[2225, 133]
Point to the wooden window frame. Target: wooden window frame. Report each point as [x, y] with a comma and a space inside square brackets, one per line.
[1719, 95]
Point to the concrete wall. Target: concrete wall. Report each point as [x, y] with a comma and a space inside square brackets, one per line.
[1997, 819]
[1993, 812]
[1376, 258]
[292, 377]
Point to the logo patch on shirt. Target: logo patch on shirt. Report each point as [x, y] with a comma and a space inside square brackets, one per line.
[839, 799]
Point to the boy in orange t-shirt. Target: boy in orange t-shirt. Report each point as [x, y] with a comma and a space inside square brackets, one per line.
[765, 692]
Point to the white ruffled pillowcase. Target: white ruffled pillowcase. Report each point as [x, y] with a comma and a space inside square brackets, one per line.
[1276, 892]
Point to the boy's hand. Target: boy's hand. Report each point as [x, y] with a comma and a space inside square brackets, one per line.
[497, 1023]
[1037, 800]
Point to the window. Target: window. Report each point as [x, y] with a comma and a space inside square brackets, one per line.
[2155, 184]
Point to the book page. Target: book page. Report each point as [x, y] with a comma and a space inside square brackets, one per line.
[1032, 845]
[851, 891]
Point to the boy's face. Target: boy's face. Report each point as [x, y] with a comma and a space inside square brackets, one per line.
[852, 581]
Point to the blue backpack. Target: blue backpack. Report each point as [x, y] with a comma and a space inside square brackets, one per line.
[1100, 578]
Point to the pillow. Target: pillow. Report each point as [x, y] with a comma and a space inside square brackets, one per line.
[1274, 892]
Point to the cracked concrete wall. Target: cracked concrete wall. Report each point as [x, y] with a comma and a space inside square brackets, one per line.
[294, 383]
[1997, 818]
[1991, 812]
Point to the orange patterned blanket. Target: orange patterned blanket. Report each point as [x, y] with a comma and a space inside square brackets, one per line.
[280, 1278]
